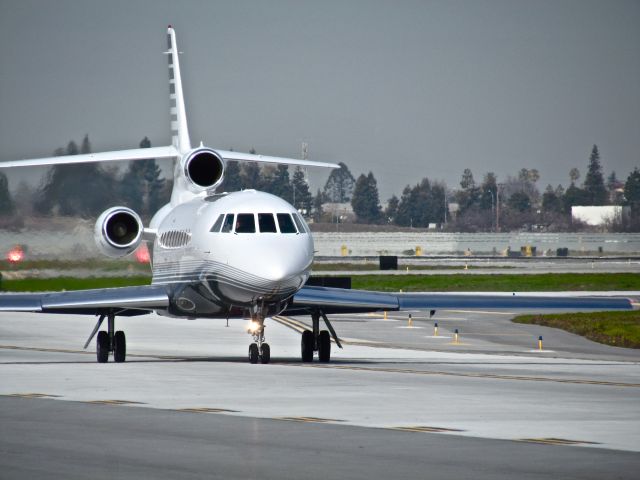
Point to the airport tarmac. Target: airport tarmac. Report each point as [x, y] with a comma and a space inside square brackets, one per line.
[396, 402]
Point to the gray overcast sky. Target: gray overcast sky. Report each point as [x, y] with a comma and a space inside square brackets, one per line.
[406, 89]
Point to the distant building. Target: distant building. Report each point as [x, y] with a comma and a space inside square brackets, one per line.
[596, 216]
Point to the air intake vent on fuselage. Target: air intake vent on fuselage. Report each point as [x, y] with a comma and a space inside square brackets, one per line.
[175, 238]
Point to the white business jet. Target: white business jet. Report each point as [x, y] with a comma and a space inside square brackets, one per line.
[220, 255]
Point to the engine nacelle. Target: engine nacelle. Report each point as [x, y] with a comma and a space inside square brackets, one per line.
[118, 232]
[203, 169]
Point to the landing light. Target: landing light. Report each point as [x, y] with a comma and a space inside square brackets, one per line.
[15, 255]
[253, 327]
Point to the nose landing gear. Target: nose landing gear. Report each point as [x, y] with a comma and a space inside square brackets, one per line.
[259, 350]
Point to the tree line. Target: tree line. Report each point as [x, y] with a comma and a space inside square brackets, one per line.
[85, 190]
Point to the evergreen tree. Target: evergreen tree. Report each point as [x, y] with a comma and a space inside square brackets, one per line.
[406, 207]
[469, 196]
[82, 189]
[7, 206]
[250, 177]
[317, 207]
[280, 184]
[142, 187]
[340, 185]
[232, 178]
[574, 196]
[519, 202]
[85, 146]
[594, 181]
[551, 202]
[391, 211]
[365, 201]
[154, 183]
[488, 191]
[301, 193]
[632, 189]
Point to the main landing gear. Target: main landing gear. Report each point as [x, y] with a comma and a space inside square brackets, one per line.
[318, 340]
[109, 341]
[259, 350]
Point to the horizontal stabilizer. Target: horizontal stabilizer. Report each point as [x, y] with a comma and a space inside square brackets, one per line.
[134, 154]
[249, 157]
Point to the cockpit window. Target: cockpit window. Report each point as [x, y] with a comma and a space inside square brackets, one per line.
[245, 223]
[266, 223]
[218, 224]
[227, 226]
[286, 224]
[299, 223]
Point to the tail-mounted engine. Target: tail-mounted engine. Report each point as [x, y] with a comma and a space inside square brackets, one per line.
[203, 169]
[118, 232]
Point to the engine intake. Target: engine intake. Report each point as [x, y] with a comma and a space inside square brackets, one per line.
[118, 232]
[203, 168]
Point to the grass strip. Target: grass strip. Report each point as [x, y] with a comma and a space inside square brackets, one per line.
[69, 283]
[93, 264]
[620, 329]
[547, 282]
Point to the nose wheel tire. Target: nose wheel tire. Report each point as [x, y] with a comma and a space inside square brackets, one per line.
[119, 347]
[265, 353]
[254, 353]
[102, 347]
[306, 346]
[324, 346]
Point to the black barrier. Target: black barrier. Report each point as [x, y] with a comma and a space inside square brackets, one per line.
[334, 282]
[562, 252]
[388, 262]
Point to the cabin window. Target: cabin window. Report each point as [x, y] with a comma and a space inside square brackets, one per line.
[245, 223]
[286, 224]
[218, 224]
[266, 223]
[227, 226]
[300, 223]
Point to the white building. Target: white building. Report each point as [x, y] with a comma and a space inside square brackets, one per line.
[596, 216]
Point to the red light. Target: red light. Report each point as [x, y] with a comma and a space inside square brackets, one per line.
[142, 254]
[15, 255]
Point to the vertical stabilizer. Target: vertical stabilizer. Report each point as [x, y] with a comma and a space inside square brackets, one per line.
[179, 129]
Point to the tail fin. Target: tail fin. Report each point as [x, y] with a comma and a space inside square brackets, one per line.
[179, 129]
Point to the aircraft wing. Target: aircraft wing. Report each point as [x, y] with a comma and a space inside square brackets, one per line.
[339, 300]
[125, 301]
[249, 157]
[133, 154]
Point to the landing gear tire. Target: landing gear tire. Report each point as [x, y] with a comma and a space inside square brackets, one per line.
[102, 347]
[324, 346]
[265, 353]
[254, 354]
[306, 346]
[119, 347]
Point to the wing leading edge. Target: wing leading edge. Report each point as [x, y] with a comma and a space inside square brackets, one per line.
[125, 300]
[338, 300]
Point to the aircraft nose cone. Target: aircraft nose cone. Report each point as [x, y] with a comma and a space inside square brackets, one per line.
[283, 268]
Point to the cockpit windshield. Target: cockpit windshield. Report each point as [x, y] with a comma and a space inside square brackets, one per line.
[266, 223]
[286, 224]
[245, 223]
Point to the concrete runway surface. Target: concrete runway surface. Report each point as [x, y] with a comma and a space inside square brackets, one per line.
[397, 402]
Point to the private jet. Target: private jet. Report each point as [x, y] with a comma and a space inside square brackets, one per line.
[221, 255]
